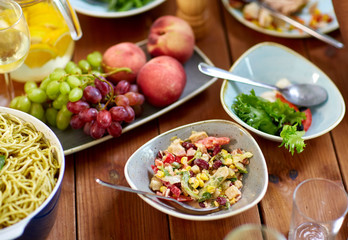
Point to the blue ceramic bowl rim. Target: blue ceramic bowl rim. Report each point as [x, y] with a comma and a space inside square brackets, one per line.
[263, 134]
[17, 229]
[227, 213]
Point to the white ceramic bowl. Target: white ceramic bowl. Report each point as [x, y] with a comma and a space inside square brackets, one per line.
[138, 170]
[38, 224]
[269, 62]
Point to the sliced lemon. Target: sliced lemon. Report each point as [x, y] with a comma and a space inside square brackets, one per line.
[38, 34]
[62, 43]
[40, 54]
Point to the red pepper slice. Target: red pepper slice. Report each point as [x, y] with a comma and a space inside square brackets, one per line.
[281, 98]
[308, 121]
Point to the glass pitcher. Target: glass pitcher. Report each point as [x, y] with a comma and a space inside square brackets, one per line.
[53, 27]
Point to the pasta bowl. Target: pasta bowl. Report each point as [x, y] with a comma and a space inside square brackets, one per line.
[38, 223]
[138, 171]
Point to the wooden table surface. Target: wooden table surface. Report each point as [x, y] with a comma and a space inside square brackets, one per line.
[89, 211]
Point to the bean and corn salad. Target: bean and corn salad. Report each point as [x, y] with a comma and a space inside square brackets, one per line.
[199, 170]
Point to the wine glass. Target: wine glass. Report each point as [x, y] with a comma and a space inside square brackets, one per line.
[14, 43]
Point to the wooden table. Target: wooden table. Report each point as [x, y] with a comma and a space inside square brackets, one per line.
[89, 211]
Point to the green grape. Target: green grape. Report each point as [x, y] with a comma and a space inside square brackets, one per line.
[14, 102]
[60, 101]
[85, 66]
[63, 119]
[45, 82]
[64, 88]
[57, 74]
[65, 111]
[51, 116]
[72, 68]
[37, 111]
[73, 81]
[29, 85]
[75, 94]
[37, 95]
[95, 59]
[53, 88]
[24, 104]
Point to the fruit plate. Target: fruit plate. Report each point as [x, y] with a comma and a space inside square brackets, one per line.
[99, 8]
[324, 6]
[76, 140]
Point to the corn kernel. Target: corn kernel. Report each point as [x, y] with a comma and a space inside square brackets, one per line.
[194, 182]
[204, 177]
[233, 201]
[183, 160]
[216, 204]
[188, 168]
[201, 183]
[159, 174]
[163, 189]
[211, 189]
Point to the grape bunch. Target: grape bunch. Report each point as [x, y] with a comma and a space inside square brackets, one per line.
[81, 96]
[104, 107]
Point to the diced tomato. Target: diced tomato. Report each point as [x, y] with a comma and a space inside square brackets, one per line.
[169, 158]
[308, 121]
[281, 98]
[154, 168]
[178, 159]
[174, 189]
[211, 142]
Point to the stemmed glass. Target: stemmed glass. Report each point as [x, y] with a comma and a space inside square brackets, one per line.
[14, 43]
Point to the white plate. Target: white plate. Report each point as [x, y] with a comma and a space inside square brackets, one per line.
[325, 6]
[97, 8]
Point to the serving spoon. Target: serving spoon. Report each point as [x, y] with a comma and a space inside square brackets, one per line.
[306, 95]
[177, 204]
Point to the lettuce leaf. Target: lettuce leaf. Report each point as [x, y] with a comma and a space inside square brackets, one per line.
[270, 117]
[292, 139]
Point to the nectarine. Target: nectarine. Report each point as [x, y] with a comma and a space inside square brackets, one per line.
[122, 55]
[162, 80]
[171, 36]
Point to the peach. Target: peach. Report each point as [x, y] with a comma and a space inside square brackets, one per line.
[171, 36]
[162, 80]
[122, 55]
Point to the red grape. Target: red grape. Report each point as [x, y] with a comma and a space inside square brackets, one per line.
[135, 98]
[88, 114]
[121, 100]
[115, 129]
[131, 114]
[122, 87]
[87, 127]
[104, 118]
[133, 88]
[102, 86]
[76, 107]
[92, 94]
[96, 131]
[118, 113]
[76, 122]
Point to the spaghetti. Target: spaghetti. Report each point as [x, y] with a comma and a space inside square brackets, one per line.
[29, 172]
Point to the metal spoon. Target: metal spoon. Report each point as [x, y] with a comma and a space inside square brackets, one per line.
[178, 205]
[306, 95]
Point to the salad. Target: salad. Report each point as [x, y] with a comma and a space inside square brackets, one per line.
[276, 117]
[198, 170]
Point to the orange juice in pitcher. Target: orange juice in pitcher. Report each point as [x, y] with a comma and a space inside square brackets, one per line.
[53, 27]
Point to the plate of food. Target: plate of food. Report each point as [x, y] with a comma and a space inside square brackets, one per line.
[74, 140]
[317, 14]
[212, 163]
[113, 9]
[267, 113]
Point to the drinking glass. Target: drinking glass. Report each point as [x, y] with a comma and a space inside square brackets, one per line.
[254, 232]
[318, 211]
[14, 43]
